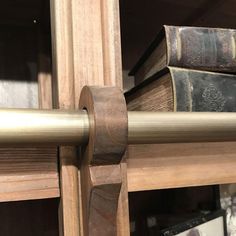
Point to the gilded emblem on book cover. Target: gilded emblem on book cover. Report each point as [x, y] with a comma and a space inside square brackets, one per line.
[213, 99]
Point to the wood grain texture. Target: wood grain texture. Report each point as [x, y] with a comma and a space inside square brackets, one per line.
[111, 42]
[162, 166]
[113, 76]
[93, 65]
[97, 55]
[96, 44]
[63, 95]
[87, 45]
[69, 204]
[62, 53]
[123, 226]
[87, 56]
[108, 118]
[103, 194]
[28, 173]
[100, 170]
[25, 173]
[44, 72]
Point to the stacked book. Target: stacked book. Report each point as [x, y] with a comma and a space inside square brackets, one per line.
[186, 69]
[189, 69]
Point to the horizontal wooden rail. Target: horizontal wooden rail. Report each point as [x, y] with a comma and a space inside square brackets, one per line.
[173, 165]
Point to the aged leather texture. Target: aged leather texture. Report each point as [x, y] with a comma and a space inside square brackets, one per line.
[203, 91]
[210, 49]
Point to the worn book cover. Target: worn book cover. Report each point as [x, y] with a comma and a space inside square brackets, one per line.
[178, 89]
[211, 49]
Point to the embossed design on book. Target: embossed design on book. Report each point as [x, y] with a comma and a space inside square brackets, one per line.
[213, 99]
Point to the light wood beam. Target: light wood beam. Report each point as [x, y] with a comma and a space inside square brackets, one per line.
[97, 61]
[160, 166]
[63, 83]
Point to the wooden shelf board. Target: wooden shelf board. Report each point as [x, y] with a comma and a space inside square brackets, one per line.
[28, 173]
[160, 166]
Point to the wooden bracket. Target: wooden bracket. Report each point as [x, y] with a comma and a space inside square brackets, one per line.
[100, 168]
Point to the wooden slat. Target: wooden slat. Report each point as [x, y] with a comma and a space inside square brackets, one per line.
[111, 43]
[25, 173]
[96, 44]
[86, 51]
[87, 45]
[97, 60]
[44, 73]
[123, 226]
[63, 74]
[69, 205]
[28, 173]
[112, 66]
[162, 166]
[62, 54]
[45, 102]
[87, 54]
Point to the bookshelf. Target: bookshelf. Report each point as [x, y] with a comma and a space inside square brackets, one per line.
[62, 46]
[168, 166]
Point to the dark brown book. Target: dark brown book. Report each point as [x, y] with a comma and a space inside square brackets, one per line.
[199, 48]
[178, 89]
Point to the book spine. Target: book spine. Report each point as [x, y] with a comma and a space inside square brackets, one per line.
[203, 91]
[201, 48]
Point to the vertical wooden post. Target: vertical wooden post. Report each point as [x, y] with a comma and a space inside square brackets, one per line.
[86, 51]
[123, 227]
[97, 60]
[44, 73]
[63, 82]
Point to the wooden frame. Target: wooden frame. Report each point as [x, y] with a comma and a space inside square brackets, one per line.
[87, 34]
[87, 51]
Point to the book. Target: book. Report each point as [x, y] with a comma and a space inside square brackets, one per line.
[211, 49]
[178, 89]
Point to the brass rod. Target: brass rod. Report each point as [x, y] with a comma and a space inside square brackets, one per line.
[43, 127]
[175, 127]
[56, 127]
